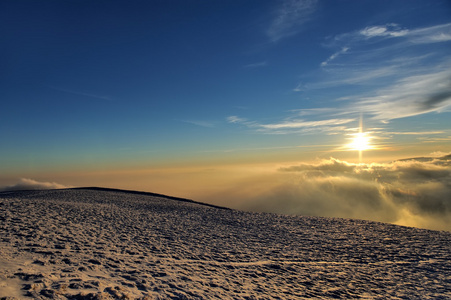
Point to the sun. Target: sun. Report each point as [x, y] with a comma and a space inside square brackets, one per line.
[360, 142]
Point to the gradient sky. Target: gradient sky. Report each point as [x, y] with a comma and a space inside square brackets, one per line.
[102, 92]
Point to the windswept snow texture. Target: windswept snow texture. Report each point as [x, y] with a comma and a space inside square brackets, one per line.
[110, 244]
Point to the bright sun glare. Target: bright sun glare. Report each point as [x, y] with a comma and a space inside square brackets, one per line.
[360, 142]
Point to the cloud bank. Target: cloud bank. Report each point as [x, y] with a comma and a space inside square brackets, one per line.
[30, 184]
[413, 192]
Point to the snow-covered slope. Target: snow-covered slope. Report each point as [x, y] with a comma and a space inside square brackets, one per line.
[103, 244]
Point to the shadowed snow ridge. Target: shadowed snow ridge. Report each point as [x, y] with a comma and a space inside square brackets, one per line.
[97, 243]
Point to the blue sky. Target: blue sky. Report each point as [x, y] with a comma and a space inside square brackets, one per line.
[130, 84]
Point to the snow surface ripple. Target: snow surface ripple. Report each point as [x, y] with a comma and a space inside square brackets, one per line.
[101, 244]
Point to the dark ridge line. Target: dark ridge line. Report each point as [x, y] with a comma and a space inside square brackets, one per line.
[103, 189]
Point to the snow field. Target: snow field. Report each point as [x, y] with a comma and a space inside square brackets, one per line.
[109, 244]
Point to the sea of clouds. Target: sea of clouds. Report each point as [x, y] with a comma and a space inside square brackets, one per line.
[412, 192]
[30, 184]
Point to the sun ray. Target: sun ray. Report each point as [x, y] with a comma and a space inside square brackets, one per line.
[360, 141]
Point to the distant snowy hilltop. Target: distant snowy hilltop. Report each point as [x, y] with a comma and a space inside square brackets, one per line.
[96, 243]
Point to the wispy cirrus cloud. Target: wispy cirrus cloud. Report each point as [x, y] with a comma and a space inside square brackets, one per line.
[414, 132]
[394, 32]
[408, 96]
[81, 93]
[200, 123]
[340, 75]
[334, 56]
[411, 96]
[402, 78]
[382, 51]
[389, 30]
[383, 72]
[256, 65]
[235, 119]
[290, 17]
[301, 124]
[434, 139]
[292, 125]
[313, 111]
[429, 35]
[424, 35]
